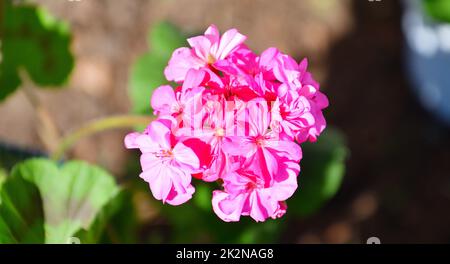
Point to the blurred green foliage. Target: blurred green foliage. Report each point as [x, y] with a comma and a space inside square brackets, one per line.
[44, 202]
[147, 73]
[195, 222]
[115, 223]
[322, 171]
[34, 41]
[439, 10]
[21, 212]
[2, 177]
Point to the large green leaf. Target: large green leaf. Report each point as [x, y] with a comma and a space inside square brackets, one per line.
[148, 71]
[34, 41]
[21, 212]
[115, 223]
[323, 168]
[72, 195]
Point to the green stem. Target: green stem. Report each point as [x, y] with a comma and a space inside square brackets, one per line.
[95, 126]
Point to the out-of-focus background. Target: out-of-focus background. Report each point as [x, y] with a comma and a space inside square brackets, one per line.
[397, 181]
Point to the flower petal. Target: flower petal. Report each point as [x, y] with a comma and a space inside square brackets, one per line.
[228, 207]
[229, 41]
[194, 78]
[258, 118]
[212, 32]
[181, 61]
[159, 181]
[185, 157]
[177, 198]
[160, 133]
[284, 148]
[201, 46]
[285, 183]
[163, 99]
[130, 140]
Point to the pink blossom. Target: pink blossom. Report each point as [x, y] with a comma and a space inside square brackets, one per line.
[318, 101]
[166, 166]
[291, 114]
[235, 117]
[166, 101]
[246, 193]
[205, 50]
[259, 144]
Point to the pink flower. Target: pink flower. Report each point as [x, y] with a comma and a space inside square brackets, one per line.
[297, 111]
[205, 50]
[216, 128]
[259, 144]
[167, 102]
[250, 70]
[235, 117]
[166, 165]
[291, 114]
[247, 193]
[318, 101]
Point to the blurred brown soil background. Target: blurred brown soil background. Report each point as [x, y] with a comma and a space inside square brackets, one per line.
[397, 185]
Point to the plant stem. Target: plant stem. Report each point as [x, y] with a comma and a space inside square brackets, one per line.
[47, 130]
[95, 126]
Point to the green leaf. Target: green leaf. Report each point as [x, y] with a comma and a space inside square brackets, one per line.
[21, 212]
[202, 197]
[147, 73]
[35, 41]
[439, 10]
[72, 195]
[165, 38]
[115, 223]
[2, 177]
[9, 79]
[323, 168]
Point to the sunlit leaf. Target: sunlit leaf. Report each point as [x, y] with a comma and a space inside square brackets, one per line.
[72, 196]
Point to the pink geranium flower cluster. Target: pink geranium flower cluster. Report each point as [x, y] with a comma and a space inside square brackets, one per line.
[234, 117]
